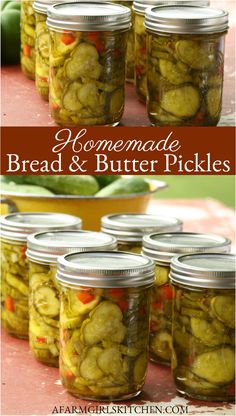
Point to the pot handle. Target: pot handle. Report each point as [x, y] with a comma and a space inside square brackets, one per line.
[12, 207]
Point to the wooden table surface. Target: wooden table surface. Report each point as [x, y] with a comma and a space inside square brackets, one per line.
[22, 106]
[31, 388]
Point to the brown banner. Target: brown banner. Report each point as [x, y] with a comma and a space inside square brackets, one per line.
[123, 150]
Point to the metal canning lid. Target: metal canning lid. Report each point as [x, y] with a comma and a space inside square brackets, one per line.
[105, 269]
[186, 20]
[204, 270]
[140, 6]
[163, 247]
[48, 246]
[86, 16]
[132, 227]
[18, 226]
[41, 6]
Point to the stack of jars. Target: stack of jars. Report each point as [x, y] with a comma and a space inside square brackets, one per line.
[93, 302]
[81, 53]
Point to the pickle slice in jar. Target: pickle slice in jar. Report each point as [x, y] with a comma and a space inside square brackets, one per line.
[213, 99]
[84, 62]
[105, 323]
[161, 275]
[46, 301]
[185, 376]
[70, 99]
[161, 345]
[89, 368]
[64, 43]
[223, 307]
[110, 362]
[216, 366]
[207, 333]
[173, 73]
[195, 54]
[181, 102]
[81, 302]
[17, 284]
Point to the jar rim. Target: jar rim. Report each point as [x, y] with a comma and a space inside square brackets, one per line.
[131, 227]
[186, 20]
[105, 269]
[89, 15]
[205, 270]
[48, 246]
[140, 6]
[17, 226]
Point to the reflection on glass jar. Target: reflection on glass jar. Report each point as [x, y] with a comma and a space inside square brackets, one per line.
[129, 228]
[162, 248]
[43, 252]
[87, 63]
[185, 66]
[14, 264]
[28, 39]
[104, 324]
[203, 360]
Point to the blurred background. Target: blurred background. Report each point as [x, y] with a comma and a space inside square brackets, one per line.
[221, 187]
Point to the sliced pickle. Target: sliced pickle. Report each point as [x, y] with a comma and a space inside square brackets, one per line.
[195, 54]
[173, 73]
[213, 98]
[84, 63]
[216, 366]
[46, 301]
[181, 102]
[223, 307]
[207, 333]
[78, 307]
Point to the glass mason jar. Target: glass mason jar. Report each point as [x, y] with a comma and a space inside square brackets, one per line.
[185, 65]
[203, 361]
[140, 7]
[162, 248]
[130, 43]
[87, 62]
[15, 275]
[129, 229]
[27, 38]
[42, 48]
[43, 249]
[104, 323]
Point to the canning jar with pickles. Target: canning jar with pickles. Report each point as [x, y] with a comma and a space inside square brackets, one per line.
[185, 65]
[203, 361]
[43, 249]
[162, 248]
[104, 323]
[42, 48]
[140, 7]
[130, 43]
[14, 264]
[87, 62]
[27, 38]
[129, 228]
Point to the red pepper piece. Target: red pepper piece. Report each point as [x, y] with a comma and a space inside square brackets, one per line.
[94, 37]
[56, 106]
[67, 38]
[23, 251]
[116, 293]
[199, 118]
[231, 389]
[142, 311]
[41, 340]
[166, 292]
[9, 304]
[157, 306]
[143, 50]
[85, 296]
[26, 50]
[140, 70]
[68, 374]
[153, 326]
[123, 304]
[45, 79]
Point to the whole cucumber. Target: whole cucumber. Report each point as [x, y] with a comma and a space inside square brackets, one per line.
[104, 180]
[15, 188]
[62, 184]
[124, 186]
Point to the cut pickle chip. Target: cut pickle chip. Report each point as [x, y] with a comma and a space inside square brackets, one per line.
[161, 275]
[173, 73]
[17, 284]
[89, 368]
[104, 324]
[46, 301]
[77, 307]
[186, 377]
[195, 54]
[117, 101]
[207, 333]
[70, 100]
[213, 98]
[84, 63]
[140, 368]
[216, 366]
[60, 48]
[223, 307]
[161, 345]
[181, 102]
[110, 362]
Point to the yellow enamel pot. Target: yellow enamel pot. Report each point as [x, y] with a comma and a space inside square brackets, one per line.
[90, 208]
